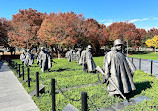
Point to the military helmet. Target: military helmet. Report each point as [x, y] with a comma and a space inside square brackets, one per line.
[28, 50]
[117, 42]
[89, 46]
[42, 48]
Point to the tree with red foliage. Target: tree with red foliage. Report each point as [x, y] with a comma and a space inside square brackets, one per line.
[60, 30]
[91, 33]
[5, 26]
[152, 32]
[96, 34]
[124, 31]
[103, 35]
[25, 25]
[121, 30]
[138, 41]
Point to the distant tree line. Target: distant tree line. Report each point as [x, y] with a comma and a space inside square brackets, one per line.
[30, 28]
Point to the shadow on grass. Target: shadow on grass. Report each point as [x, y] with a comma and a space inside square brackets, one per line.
[20, 64]
[60, 70]
[140, 87]
[32, 66]
[139, 52]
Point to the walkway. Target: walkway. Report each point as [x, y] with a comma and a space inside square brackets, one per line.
[146, 66]
[13, 97]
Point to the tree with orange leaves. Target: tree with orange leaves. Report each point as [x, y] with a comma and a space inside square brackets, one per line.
[60, 30]
[125, 31]
[91, 33]
[96, 34]
[25, 25]
[137, 41]
[121, 30]
[5, 26]
[103, 35]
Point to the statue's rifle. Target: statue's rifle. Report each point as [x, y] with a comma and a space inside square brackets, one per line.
[110, 80]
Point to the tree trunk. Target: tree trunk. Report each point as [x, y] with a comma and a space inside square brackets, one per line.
[52, 48]
[58, 50]
[59, 55]
[97, 53]
[36, 49]
[11, 52]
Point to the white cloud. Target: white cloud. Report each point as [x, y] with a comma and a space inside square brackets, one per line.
[144, 19]
[155, 18]
[136, 20]
[103, 20]
[106, 22]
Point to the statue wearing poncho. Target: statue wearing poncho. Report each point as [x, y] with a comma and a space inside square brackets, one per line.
[87, 61]
[78, 55]
[29, 60]
[70, 55]
[23, 56]
[120, 69]
[44, 60]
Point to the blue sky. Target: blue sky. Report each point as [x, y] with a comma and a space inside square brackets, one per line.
[143, 13]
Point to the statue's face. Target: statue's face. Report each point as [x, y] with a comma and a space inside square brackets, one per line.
[90, 49]
[118, 47]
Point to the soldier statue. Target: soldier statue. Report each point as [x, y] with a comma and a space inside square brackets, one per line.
[29, 60]
[70, 55]
[86, 60]
[23, 56]
[78, 55]
[44, 60]
[119, 69]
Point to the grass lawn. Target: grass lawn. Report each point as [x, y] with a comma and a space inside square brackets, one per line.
[69, 74]
[152, 56]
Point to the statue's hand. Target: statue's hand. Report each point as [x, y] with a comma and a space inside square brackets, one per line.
[105, 78]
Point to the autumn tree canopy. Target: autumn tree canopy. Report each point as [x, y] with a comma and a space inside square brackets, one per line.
[126, 31]
[29, 27]
[92, 29]
[61, 29]
[25, 25]
[138, 41]
[152, 42]
[150, 34]
[5, 26]
[121, 30]
[95, 34]
[103, 35]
